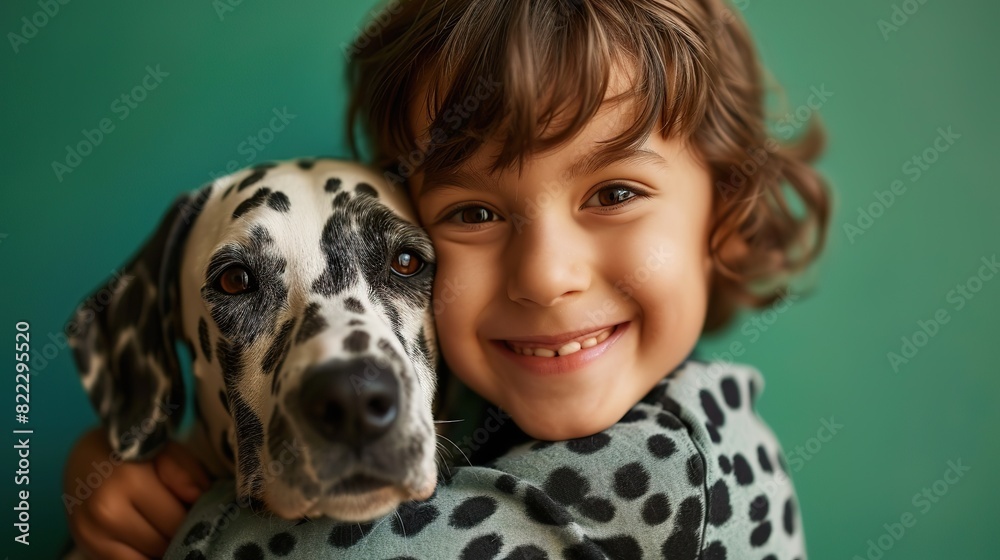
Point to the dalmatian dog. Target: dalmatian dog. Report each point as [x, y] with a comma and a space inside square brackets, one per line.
[301, 290]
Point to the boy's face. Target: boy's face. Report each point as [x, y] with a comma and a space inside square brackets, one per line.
[564, 294]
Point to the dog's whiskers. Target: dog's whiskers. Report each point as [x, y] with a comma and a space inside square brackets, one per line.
[466, 457]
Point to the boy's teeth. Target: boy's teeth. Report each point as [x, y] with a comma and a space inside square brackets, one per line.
[569, 348]
[565, 349]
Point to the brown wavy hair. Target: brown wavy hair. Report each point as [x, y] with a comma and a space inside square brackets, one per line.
[695, 76]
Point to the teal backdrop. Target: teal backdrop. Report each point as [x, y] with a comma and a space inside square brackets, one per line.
[865, 433]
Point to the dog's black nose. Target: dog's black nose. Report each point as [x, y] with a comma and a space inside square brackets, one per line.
[350, 402]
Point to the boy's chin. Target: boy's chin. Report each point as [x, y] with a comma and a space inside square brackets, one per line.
[559, 425]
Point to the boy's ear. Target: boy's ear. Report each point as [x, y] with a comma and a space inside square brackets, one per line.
[123, 338]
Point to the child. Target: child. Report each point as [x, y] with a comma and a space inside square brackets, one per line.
[600, 188]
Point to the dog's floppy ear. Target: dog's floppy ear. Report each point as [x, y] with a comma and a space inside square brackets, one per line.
[124, 334]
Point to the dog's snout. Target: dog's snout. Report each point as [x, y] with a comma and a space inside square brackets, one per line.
[352, 403]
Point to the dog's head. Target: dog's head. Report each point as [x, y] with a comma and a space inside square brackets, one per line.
[303, 292]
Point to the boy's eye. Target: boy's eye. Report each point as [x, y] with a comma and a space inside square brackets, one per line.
[612, 196]
[472, 215]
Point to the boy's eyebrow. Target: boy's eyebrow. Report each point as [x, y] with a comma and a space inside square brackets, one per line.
[604, 157]
[459, 179]
[590, 164]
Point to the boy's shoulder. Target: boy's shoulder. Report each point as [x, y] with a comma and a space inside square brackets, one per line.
[749, 488]
[692, 461]
[703, 392]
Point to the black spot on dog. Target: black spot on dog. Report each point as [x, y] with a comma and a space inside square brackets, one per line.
[279, 347]
[365, 189]
[249, 438]
[341, 199]
[130, 301]
[206, 344]
[395, 323]
[353, 305]
[312, 324]
[355, 322]
[306, 164]
[231, 363]
[357, 341]
[279, 201]
[278, 433]
[251, 179]
[422, 344]
[360, 238]
[332, 185]
[224, 400]
[259, 236]
[254, 201]
[132, 402]
[227, 451]
[228, 190]
[249, 316]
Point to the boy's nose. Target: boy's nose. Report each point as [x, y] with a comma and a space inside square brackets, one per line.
[546, 264]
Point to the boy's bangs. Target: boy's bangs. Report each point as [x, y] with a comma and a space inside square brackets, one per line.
[531, 78]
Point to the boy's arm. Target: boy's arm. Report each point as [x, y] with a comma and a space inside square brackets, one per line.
[613, 493]
[125, 510]
[651, 486]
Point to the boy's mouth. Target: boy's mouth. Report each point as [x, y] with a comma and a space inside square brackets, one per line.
[561, 348]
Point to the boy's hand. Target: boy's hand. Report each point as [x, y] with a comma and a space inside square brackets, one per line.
[136, 509]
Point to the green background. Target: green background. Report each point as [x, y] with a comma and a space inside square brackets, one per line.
[825, 356]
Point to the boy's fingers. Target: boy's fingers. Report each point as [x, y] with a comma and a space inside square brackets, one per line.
[160, 508]
[181, 472]
[134, 531]
[96, 544]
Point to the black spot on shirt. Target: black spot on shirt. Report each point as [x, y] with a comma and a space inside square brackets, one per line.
[711, 408]
[597, 508]
[348, 534]
[589, 444]
[719, 508]
[656, 510]
[483, 548]
[566, 486]
[631, 481]
[759, 508]
[731, 392]
[472, 512]
[760, 534]
[412, 517]
[661, 446]
[544, 509]
[744, 474]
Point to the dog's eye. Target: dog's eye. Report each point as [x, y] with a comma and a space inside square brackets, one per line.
[235, 280]
[406, 263]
